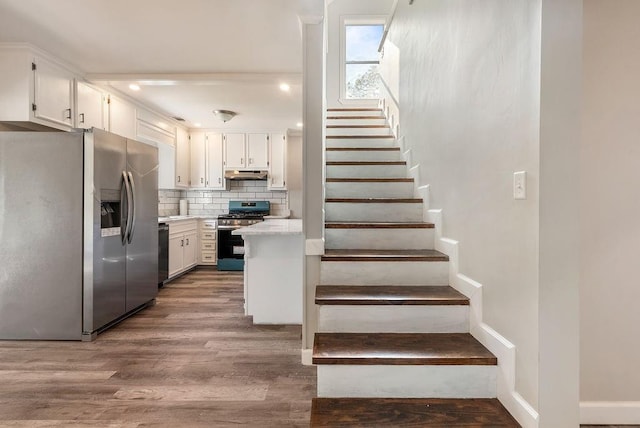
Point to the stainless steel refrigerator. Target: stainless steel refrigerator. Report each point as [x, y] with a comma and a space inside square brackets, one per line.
[78, 232]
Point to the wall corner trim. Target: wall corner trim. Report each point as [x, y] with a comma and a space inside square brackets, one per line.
[306, 356]
[314, 247]
[610, 412]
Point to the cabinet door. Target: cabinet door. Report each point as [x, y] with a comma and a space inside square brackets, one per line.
[198, 159]
[122, 118]
[89, 107]
[176, 252]
[183, 157]
[166, 166]
[234, 151]
[191, 249]
[215, 170]
[258, 151]
[53, 93]
[277, 161]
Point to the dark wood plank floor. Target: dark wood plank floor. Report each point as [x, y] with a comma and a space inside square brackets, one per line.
[193, 360]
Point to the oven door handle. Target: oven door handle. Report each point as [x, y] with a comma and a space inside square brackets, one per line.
[229, 227]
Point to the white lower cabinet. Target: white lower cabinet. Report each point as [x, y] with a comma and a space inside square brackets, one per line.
[208, 242]
[183, 246]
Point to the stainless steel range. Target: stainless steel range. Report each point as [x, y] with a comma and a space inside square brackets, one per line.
[231, 247]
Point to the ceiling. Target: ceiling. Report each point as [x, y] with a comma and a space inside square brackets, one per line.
[189, 57]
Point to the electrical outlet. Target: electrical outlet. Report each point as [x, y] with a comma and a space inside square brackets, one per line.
[520, 185]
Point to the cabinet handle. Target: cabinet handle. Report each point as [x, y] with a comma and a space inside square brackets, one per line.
[81, 117]
[178, 179]
[201, 180]
[219, 180]
[250, 161]
[68, 116]
[182, 243]
[187, 241]
[241, 160]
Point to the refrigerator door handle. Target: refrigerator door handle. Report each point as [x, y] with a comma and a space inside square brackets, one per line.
[133, 207]
[125, 200]
[127, 226]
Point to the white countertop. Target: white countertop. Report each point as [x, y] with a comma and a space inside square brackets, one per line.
[272, 227]
[173, 218]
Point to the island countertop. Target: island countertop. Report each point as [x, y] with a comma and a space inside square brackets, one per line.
[272, 227]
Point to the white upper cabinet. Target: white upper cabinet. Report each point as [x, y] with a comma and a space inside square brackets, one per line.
[257, 151]
[277, 162]
[183, 159]
[234, 151]
[53, 93]
[34, 90]
[122, 118]
[89, 107]
[206, 161]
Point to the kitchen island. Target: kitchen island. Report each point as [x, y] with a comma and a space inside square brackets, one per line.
[273, 271]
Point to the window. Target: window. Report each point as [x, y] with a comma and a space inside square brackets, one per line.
[361, 41]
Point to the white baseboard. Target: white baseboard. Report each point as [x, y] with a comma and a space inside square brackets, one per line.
[306, 356]
[610, 412]
[314, 247]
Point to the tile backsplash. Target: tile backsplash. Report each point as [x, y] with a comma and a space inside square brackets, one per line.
[215, 202]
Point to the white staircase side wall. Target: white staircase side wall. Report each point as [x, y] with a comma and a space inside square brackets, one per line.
[393, 318]
[431, 381]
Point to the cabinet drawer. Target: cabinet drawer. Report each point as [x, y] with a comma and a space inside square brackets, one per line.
[208, 246]
[209, 258]
[209, 225]
[182, 226]
[206, 234]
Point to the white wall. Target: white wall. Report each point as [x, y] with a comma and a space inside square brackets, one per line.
[294, 173]
[610, 204]
[469, 106]
[337, 9]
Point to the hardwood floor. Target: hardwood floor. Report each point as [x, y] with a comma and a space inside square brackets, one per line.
[193, 360]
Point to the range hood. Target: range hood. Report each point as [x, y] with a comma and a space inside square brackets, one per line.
[245, 175]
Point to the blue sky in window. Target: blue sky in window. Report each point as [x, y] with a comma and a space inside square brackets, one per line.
[362, 42]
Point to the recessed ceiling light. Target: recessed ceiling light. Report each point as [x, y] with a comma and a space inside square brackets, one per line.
[299, 124]
[134, 87]
[197, 124]
[285, 87]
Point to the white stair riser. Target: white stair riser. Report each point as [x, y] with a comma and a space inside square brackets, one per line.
[366, 171]
[377, 212]
[407, 381]
[351, 113]
[361, 142]
[380, 239]
[363, 155]
[358, 131]
[384, 273]
[393, 318]
[357, 122]
[369, 190]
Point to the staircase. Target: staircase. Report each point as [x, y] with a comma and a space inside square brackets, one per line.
[393, 347]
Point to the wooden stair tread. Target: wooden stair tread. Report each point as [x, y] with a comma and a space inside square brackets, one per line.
[358, 136]
[400, 349]
[376, 200]
[377, 225]
[363, 149]
[367, 255]
[389, 295]
[410, 412]
[369, 180]
[365, 163]
[357, 126]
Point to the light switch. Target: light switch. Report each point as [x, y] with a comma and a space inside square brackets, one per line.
[520, 185]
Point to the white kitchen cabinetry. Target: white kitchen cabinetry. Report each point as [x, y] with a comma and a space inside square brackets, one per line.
[208, 242]
[89, 107]
[246, 151]
[122, 118]
[206, 161]
[183, 246]
[183, 158]
[34, 91]
[277, 162]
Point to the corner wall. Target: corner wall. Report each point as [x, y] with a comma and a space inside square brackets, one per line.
[610, 203]
[469, 106]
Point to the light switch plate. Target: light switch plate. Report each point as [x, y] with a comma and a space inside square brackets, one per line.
[520, 185]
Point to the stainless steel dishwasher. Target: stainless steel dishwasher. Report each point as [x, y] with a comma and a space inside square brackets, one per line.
[163, 253]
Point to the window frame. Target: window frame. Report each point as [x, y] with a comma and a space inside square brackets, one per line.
[344, 22]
